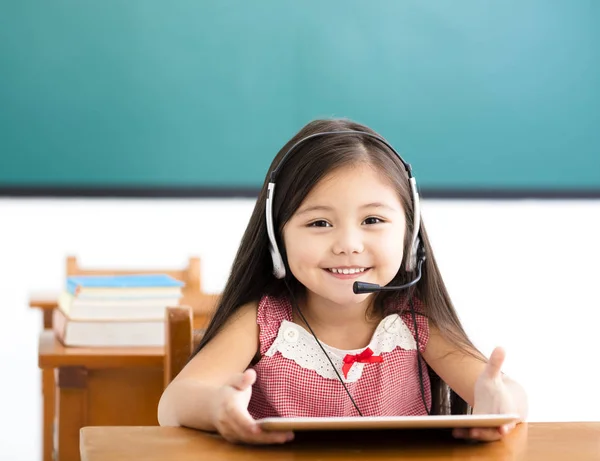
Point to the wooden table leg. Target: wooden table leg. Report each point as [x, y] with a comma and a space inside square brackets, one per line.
[71, 405]
[48, 384]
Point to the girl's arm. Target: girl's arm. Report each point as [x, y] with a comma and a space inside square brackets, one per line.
[479, 383]
[189, 400]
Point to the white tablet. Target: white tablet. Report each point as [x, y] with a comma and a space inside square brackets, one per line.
[385, 422]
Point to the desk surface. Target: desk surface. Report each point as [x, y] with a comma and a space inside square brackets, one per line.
[53, 354]
[528, 442]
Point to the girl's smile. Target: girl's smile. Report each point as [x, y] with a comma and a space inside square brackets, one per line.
[347, 273]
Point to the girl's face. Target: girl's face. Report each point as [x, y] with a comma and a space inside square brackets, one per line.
[349, 228]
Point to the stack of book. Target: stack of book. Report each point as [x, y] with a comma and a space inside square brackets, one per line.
[120, 310]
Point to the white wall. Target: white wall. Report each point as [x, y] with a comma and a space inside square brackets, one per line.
[523, 274]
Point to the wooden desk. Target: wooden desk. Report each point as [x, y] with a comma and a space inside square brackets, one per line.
[528, 442]
[99, 386]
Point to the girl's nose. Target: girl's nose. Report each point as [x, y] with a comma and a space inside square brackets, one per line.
[348, 241]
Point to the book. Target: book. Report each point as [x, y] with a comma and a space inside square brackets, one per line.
[107, 333]
[106, 308]
[126, 293]
[124, 286]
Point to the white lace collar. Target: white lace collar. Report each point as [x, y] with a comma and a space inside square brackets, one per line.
[297, 344]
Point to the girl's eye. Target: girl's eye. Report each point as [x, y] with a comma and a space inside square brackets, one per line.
[319, 223]
[372, 220]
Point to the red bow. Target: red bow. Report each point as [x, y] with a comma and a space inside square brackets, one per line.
[365, 356]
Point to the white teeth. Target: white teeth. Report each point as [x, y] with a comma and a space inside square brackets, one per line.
[347, 271]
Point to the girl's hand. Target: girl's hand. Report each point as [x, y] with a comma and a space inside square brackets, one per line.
[492, 396]
[232, 419]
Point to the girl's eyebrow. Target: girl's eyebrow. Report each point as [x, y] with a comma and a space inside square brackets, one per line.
[328, 208]
[314, 208]
[379, 205]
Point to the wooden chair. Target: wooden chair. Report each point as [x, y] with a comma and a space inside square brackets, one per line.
[183, 332]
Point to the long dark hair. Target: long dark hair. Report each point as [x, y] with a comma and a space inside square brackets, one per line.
[251, 275]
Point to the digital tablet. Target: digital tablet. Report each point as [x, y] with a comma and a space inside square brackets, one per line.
[385, 422]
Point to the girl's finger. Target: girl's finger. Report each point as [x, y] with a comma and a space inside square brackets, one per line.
[481, 434]
[256, 435]
[248, 431]
[244, 380]
[460, 433]
[242, 424]
[485, 434]
[264, 437]
[494, 365]
[507, 428]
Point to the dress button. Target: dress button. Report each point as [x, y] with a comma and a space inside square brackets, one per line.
[290, 335]
[392, 324]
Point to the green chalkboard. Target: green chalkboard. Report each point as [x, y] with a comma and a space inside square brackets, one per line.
[475, 94]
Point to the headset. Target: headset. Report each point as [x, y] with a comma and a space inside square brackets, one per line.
[278, 266]
[414, 260]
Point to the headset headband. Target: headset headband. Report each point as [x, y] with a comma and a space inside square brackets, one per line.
[278, 265]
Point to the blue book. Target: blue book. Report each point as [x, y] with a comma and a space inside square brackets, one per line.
[76, 284]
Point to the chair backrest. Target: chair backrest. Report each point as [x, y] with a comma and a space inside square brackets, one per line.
[182, 335]
[190, 275]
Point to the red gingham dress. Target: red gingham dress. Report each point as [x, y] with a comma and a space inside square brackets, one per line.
[295, 379]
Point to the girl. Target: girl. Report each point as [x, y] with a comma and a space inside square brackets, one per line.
[290, 336]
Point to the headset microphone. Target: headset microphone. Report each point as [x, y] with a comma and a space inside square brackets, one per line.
[365, 287]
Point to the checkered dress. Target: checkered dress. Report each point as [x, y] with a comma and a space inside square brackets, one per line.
[294, 378]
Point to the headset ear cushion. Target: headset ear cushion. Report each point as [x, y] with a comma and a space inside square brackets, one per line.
[411, 260]
[278, 266]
